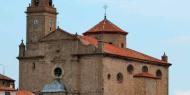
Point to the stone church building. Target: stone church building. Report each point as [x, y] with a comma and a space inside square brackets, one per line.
[56, 62]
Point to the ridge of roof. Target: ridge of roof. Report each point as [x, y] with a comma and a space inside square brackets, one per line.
[105, 26]
[125, 52]
[3, 77]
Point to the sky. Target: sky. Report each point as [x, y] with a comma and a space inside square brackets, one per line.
[154, 26]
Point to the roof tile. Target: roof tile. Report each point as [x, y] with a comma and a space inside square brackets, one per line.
[23, 92]
[125, 52]
[105, 26]
[3, 77]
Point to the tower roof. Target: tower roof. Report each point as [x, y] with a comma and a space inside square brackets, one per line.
[105, 26]
[40, 6]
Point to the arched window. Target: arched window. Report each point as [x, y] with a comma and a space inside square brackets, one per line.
[122, 45]
[120, 77]
[50, 29]
[158, 73]
[34, 66]
[50, 2]
[36, 2]
[109, 76]
[144, 69]
[58, 72]
[130, 69]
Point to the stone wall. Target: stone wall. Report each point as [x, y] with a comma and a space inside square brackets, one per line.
[35, 72]
[115, 39]
[91, 75]
[133, 85]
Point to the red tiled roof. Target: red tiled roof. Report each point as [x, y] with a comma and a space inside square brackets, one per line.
[19, 92]
[105, 26]
[125, 52]
[146, 75]
[22, 92]
[3, 77]
[129, 53]
[89, 40]
[6, 89]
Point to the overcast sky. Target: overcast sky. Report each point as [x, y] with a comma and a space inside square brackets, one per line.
[154, 26]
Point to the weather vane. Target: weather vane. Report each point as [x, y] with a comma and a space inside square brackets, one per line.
[105, 7]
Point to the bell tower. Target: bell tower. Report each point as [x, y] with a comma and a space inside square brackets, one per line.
[41, 20]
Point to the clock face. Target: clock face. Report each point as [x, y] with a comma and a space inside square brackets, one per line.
[36, 23]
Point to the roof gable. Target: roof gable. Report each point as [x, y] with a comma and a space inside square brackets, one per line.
[105, 26]
[58, 34]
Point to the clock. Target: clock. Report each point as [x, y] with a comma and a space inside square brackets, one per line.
[36, 23]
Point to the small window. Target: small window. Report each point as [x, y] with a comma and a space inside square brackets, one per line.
[36, 2]
[122, 45]
[57, 51]
[7, 93]
[34, 66]
[58, 72]
[130, 69]
[110, 43]
[158, 73]
[50, 2]
[109, 76]
[120, 77]
[144, 69]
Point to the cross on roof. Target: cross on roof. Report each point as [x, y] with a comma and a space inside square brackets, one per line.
[105, 7]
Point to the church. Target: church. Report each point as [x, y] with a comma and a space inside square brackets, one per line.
[56, 62]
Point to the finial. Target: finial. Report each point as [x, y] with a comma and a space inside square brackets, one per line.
[105, 15]
[22, 41]
[165, 57]
[164, 54]
[76, 34]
